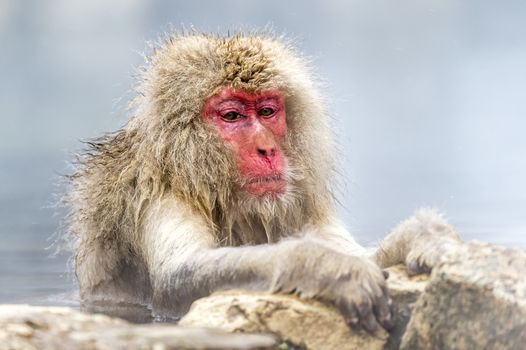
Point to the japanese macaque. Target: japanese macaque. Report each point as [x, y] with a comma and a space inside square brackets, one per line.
[221, 179]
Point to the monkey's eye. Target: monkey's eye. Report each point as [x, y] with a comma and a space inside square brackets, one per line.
[266, 112]
[231, 116]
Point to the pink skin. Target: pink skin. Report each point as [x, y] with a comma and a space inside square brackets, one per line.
[253, 126]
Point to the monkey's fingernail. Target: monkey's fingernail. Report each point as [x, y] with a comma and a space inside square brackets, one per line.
[386, 317]
[389, 301]
[385, 273]
[412, 268]
[353, 321]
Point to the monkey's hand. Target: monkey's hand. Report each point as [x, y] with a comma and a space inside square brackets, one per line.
[354, 284]
[420, 242]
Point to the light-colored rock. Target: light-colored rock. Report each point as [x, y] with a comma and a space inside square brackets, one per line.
[24, 327]
[476, 299]
[306, 323]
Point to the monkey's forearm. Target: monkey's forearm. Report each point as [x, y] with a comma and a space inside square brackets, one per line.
[229, 267]
[217, 269]
[304, 266]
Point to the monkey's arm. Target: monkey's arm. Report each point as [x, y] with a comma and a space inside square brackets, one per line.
[185, 264]
[419, 242]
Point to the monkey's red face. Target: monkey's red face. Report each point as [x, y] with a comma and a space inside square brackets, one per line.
[253, 127]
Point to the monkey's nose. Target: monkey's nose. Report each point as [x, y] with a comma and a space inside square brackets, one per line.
[267, 152]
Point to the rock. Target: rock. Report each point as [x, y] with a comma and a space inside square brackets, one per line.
[404, 291]
[40, 328]
[304, 323]
[476, 299]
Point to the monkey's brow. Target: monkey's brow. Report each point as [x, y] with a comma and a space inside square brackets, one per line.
[273, 100]
[231, 102]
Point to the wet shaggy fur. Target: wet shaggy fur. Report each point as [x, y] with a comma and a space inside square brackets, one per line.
[165, 149]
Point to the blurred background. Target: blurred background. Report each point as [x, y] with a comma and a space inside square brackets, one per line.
[428, 99]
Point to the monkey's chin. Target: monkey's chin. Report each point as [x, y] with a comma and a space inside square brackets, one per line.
[272, 189]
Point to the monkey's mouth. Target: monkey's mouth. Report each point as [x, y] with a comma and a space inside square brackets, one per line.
[266, 185]
[265, 179]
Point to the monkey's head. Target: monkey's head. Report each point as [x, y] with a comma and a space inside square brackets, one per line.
[235, 122]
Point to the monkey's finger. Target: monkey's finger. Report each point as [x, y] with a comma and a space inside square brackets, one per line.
[370, 323]
[367, 317]
[415, 268]
[385, 273]
[350, 313]
[382, 310]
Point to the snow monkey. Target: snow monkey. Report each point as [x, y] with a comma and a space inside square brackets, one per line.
[221, 179]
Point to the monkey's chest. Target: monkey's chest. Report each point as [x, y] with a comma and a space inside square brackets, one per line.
[253, 232]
